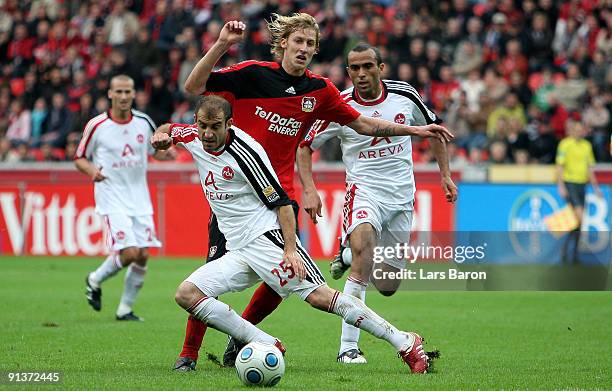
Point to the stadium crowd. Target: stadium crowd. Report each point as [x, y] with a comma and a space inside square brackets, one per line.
[507, 76]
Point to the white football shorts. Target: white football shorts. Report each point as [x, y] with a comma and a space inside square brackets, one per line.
[261, 259]
[392, 223]
[130, 231]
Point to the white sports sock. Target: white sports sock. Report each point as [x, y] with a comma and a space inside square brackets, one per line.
[134, 278]
[347, 256]
[222, 317]
[108, 268]
[355, 312]
[350, 334]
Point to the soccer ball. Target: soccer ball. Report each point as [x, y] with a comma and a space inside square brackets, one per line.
[260, 364]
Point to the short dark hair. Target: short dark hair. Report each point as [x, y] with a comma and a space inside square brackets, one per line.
[214, 103]
[362, 47]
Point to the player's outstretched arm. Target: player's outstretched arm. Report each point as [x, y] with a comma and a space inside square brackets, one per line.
[89, 169]
[232, 32]
[377, 127]
[311, 202]
[441, 154]
[286, 219]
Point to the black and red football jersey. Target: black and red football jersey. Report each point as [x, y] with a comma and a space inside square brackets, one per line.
[277, 109]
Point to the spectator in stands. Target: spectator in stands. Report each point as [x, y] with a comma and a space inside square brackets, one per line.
[85, 112]
[452, 35]
[20, 47]
[543, 146]
[161, 102]
[572, 90]
[493, 37]
[101, 105]
[56, 84]
[473, 87]
[474, 30]
[79, 87]
[467, 59]
[141, 101]
[183, 114]
[457, 119]
[5, 149]
[498, 153]
[177, 18]
[433, 59]
[541, 97]
[5, 103]
[405, 72]
[397, 42]
[598, 69]
[39, 116]
[121, 25]
[539, 42]
[192, 56]
[478, 119]
[45, 45]
[597, 118]
[172, 67]
[521, 157]
[417, 56]
[520, 88]
[476, 156]
[121, 64]
[143, 54]
[511, 109]
[94, 21]
[21, 153]
[70, 150]
[443, 89]
[59, 122]
[513, 60]
[516, 138]
[47, 154]
[495, 85]
[19, 122]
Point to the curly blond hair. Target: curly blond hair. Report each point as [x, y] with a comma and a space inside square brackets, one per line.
[282, 26]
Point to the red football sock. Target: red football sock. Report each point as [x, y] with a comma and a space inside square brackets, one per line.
[263, 303]
[194, 334]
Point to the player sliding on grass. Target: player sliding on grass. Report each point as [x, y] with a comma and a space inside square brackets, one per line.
[256, 217]
[380, 181]
[276, 104]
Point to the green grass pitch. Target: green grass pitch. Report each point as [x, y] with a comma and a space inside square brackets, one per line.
[488, 340]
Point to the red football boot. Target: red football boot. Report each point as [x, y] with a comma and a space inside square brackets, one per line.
[415, 356]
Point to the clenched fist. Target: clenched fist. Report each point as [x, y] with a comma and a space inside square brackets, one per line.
[161, 141]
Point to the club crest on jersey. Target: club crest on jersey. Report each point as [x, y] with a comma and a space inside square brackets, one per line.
[271, 194]
[140, 138]
[400, 118]
[362, 214]
[308, 104]
[228, 173]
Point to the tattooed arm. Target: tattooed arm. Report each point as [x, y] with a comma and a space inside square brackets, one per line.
[377, 127]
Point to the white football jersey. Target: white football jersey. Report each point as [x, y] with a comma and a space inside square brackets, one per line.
[120, 150]
[381, 167]
[239, 183]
